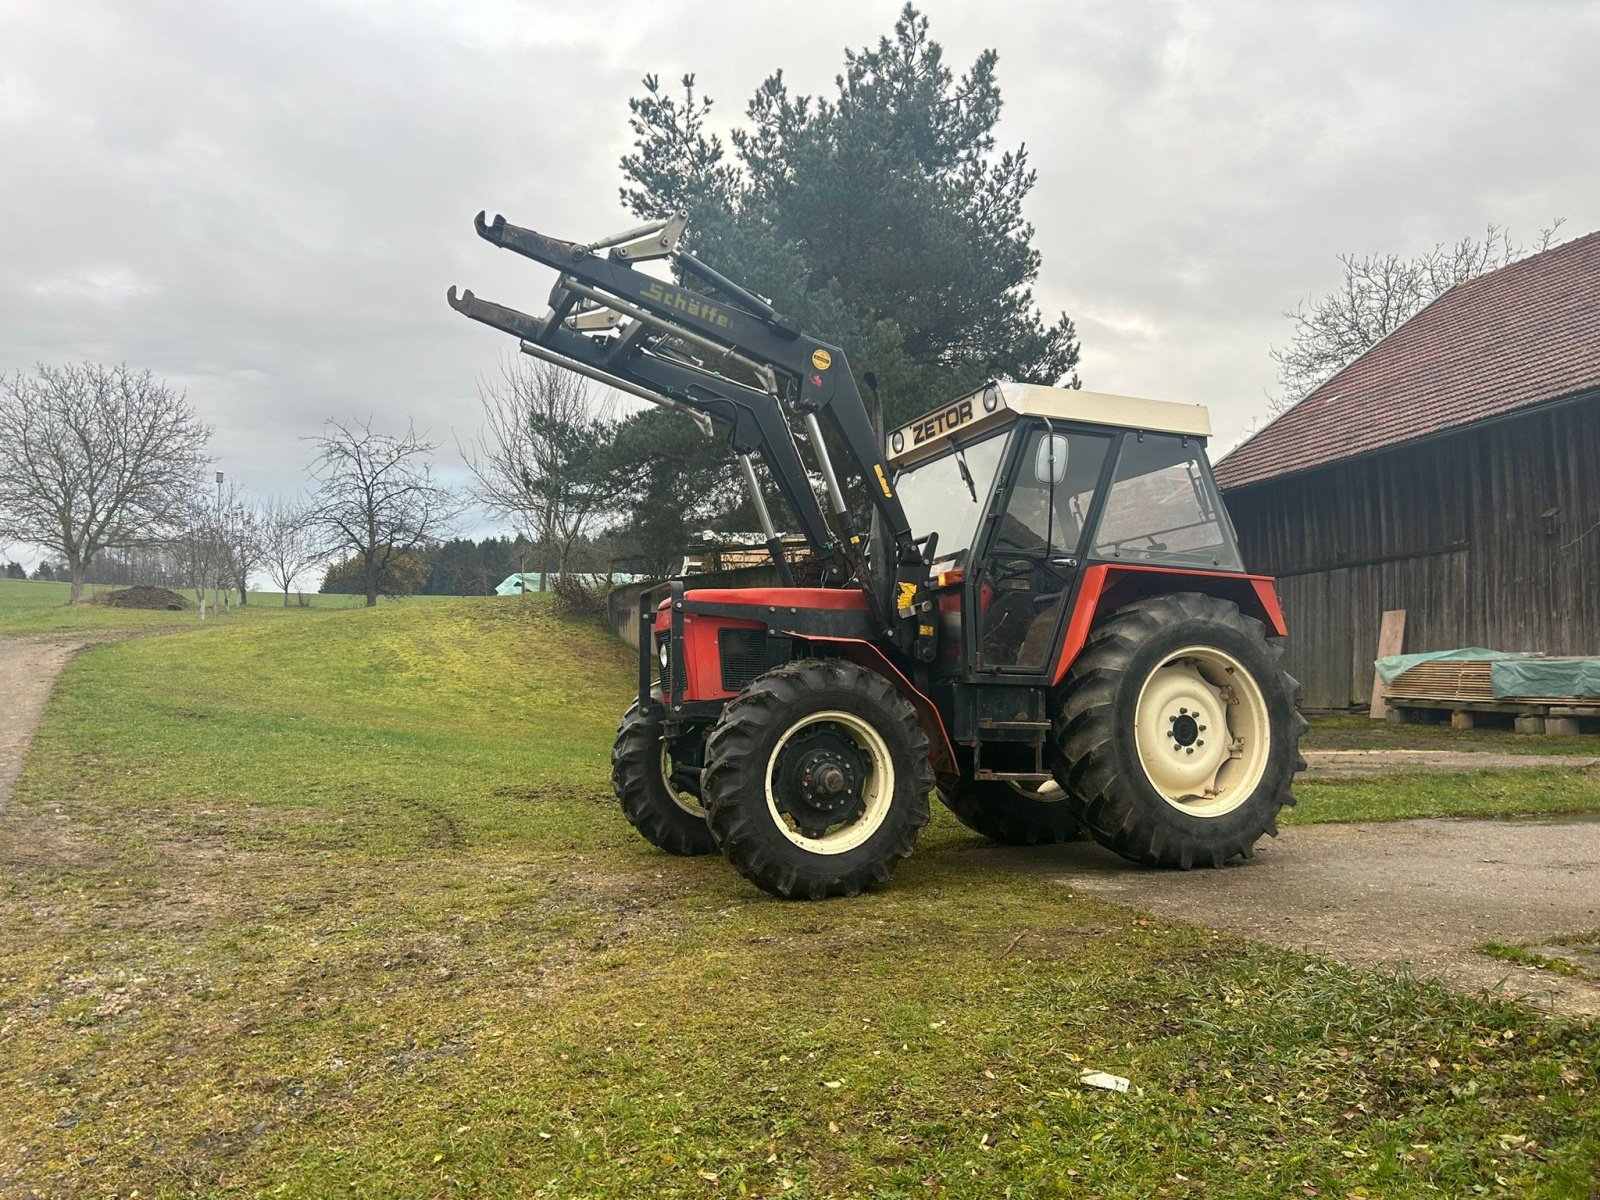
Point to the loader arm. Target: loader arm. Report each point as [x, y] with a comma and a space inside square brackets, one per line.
[730, 356]
[755, 423]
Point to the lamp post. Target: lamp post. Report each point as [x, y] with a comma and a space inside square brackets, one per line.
[216, 594]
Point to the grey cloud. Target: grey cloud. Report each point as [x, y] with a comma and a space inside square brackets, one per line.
[265, 203]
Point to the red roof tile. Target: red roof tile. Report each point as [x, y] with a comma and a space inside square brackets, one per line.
[1521, 336]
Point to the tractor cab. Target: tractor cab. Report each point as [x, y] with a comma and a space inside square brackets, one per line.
[1021, 490]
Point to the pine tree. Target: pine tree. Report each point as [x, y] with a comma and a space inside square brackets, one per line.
[882, 219]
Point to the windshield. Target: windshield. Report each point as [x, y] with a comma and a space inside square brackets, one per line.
[937, 500]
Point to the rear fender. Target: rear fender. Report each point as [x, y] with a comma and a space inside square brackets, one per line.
[1107, 587]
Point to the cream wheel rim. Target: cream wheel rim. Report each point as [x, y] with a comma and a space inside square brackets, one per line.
[876, 786]
[1202, 731]
[688, 803]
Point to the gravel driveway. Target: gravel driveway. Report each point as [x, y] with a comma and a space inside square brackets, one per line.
[1422, 893]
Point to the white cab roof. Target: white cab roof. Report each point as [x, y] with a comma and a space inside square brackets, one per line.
[999, 402]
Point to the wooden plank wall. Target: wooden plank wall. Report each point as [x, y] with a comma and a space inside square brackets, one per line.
[1487, 538]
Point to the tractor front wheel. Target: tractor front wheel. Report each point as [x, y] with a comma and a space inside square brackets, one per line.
[1178, 732]
[817, 780]
[660, 800]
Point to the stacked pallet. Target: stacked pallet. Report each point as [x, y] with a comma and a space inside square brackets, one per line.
[1445, 679]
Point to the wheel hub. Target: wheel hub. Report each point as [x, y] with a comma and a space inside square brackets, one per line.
[817, 781]
[1201, 731]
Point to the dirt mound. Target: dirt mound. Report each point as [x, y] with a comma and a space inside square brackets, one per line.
[143, 597]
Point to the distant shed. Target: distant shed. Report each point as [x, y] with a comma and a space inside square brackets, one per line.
[1453, 471]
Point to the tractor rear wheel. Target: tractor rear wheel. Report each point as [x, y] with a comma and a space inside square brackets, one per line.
[1178, 732]
[817, 780]
[1013, 814]
[659, 799]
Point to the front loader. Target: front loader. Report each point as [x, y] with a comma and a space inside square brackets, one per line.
[1049, 624]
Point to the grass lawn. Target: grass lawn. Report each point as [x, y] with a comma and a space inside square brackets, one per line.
[343, 907]
[40, 606]
[1361, 732]
[1546, 792]
[1404, 794]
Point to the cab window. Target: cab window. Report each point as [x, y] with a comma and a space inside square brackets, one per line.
[1164, 508]
[1055, 483]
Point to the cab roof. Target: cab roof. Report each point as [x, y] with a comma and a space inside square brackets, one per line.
[1001, 401]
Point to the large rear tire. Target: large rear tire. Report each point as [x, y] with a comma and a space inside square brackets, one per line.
[817, 780]
[1178, 732]
[1013, 814]
[660, 801]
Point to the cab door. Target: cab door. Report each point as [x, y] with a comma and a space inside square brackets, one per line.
[1029, 562]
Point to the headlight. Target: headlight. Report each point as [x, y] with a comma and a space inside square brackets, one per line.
[661, 654]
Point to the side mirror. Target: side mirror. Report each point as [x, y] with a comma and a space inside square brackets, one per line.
[1050, 461]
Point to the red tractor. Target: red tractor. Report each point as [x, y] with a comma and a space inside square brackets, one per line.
[1047, 621]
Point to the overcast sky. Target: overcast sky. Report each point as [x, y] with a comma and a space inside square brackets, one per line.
[264, 203]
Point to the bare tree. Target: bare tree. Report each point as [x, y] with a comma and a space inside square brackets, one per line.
[539, 458]
[288, 540]
[1378, 294]
[93, 457]
[239, 524]
[376, 496]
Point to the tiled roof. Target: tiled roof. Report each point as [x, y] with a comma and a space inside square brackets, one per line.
[1515, 338]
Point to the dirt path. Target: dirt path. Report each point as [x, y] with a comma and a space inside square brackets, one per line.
[1423, 893]
[28, 670]
[1349, 764]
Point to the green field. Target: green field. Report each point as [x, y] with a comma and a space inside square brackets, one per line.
[338, 904]
[40, 606]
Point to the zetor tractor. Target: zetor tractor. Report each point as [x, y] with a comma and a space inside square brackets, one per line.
[1046, 620]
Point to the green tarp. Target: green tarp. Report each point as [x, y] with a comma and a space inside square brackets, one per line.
[517, 584]
[1546, 677]
[1511, 675]
[1395, 665]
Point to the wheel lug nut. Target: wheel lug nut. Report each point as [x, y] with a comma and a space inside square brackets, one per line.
[1191, 749]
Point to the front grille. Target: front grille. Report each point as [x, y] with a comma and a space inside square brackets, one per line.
[744, 656]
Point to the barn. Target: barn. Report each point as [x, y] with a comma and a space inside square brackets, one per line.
[1452, 471]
